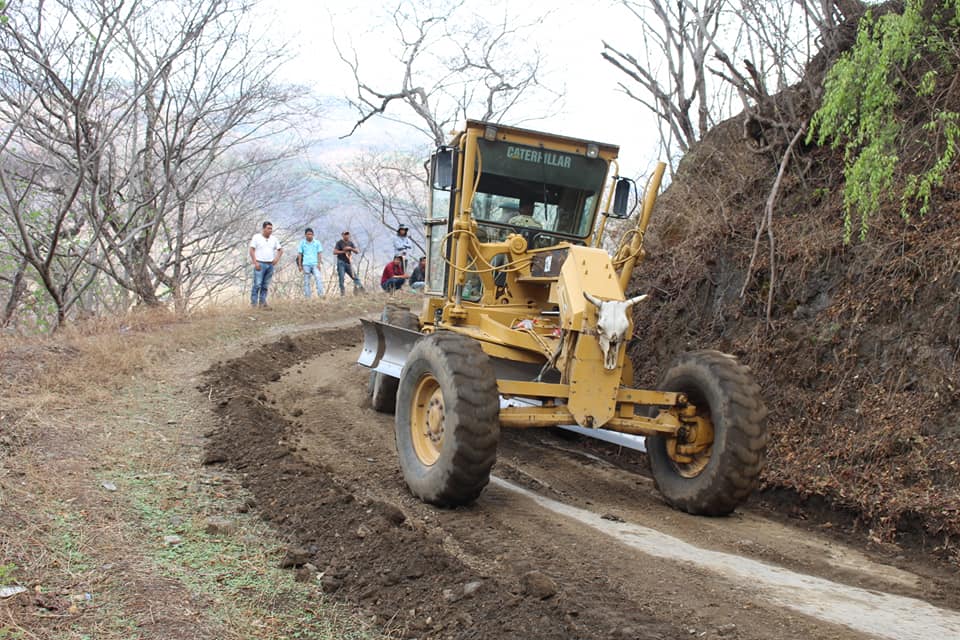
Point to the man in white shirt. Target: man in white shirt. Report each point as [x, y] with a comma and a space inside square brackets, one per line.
[265, 252]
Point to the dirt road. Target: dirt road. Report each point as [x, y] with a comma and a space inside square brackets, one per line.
[570, 540]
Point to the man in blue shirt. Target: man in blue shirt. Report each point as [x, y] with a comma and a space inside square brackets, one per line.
[308, 262]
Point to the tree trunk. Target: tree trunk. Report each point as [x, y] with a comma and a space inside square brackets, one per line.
[18, 286]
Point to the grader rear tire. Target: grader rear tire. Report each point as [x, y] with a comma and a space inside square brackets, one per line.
[723, 476]
[383, 388]
[447, 421]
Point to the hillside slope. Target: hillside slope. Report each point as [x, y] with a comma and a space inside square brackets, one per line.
[860, 362]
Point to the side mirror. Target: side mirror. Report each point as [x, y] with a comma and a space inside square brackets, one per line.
[441, 169]
[621, 198]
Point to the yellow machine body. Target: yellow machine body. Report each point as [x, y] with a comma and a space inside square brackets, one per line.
[520, 292]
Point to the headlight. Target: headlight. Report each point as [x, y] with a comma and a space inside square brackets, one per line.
[490, 134]
[593, 151]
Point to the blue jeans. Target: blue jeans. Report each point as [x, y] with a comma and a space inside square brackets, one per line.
[346, 268]
[392, 284]
[312, 271]
[261, 281]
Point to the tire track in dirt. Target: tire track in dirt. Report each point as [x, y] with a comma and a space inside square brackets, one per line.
[323, 466]
[626, 494]
[879, 614]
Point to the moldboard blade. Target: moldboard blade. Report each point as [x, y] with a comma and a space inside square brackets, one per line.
[385, 347]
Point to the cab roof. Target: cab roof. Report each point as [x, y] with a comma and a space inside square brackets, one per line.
[509, 132]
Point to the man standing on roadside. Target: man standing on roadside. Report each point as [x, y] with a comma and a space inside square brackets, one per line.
[342, 250]
[308, 262]
[265, 252]
[402, 244]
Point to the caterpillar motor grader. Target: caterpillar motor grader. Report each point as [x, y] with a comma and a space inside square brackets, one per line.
[525, 324]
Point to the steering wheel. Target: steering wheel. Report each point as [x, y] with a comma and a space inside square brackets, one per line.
[548, 239]
[529, 234]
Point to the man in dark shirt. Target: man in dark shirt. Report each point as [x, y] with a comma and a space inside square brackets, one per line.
[393, 275]
[419, 276]
[343, 250]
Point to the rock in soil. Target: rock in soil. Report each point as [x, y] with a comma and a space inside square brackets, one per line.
[217, 526]
[391, 513]
[329, 584]
[172, 541]
[538, 585]
[295, 557]
[471, 588]
[306, 573]
[214, 457]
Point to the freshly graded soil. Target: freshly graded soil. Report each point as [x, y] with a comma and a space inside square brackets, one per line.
[295, 424]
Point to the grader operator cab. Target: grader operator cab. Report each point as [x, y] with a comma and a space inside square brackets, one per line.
[525, 324]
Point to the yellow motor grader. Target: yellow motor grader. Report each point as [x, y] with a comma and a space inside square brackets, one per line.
[525, 324]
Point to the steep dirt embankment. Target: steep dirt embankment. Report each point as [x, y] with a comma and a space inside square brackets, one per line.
[860, 363]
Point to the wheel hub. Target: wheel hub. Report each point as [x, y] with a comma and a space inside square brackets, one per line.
[690, 450]
[435, 418]
[426, 420]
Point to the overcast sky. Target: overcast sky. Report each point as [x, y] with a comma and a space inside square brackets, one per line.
[569, 37]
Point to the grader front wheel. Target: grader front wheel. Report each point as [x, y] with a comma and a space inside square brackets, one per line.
[715, 462]
[447, 420]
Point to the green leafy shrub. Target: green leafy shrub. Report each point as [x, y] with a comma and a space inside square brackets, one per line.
[6, 572]
[896, 59]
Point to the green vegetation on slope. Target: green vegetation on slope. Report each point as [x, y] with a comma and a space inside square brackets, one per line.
[897, 57]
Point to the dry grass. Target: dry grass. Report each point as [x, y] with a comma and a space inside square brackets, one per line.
[85, 361]
[111, 400]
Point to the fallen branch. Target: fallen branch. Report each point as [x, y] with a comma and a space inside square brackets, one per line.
[766, 223]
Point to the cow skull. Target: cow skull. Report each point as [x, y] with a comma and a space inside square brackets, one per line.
[612, 325]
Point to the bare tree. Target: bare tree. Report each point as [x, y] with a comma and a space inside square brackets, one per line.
[391, 186]
[200, 118]
[15, 280]
[213, 249]
[55, 81]
[452, 63]
[776, 73]
[696, 52]
[836, 21]
[677, 36]
[134, 111]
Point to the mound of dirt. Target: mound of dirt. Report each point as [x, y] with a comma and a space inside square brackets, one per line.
[860, 362]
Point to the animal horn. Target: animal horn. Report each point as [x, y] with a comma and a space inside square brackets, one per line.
[591, 298]
[633, 301]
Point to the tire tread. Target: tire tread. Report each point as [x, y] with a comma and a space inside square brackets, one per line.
[739, 417]
[471, 405]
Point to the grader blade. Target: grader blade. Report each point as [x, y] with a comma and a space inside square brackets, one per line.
[385, 347]
[627, 440]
